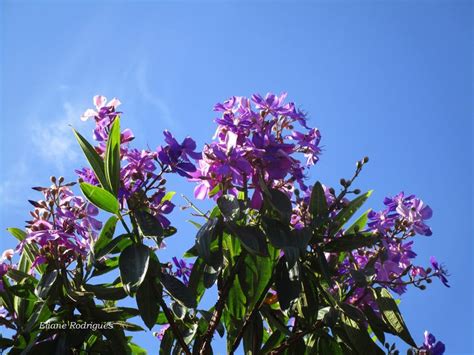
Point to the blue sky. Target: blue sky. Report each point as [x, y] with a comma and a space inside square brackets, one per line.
[391, 80]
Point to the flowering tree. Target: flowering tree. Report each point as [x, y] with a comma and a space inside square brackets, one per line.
[297, 269]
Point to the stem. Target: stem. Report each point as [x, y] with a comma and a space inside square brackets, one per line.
[174, 327]
[220, 304]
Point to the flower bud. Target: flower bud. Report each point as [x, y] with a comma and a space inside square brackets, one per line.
[357, 191]
[61, 179]
[53, 179]
[366, 159]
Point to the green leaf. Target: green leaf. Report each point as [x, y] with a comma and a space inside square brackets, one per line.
[273, 341]
[196, 281]
[359, 224]
[251, 237]
[350, 242]
[106, 234]
[204, 238]
[229, 207]
[148, 224]
[147, 303]
[391, 314]
[112, 157]
[17, 233]
[282, 204]
[116, 245]
[178, 290]
[348, 211]
[287, 289]
[359, 338]
[169, 195]
[318, 204]
[94, 159]
[133, 265]
[45, 284]
[100, 197]
[253, 335]
[106, 292]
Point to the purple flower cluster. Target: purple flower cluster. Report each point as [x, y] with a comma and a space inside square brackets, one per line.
[389, 263]
[63, 225]
[256, 140]
[431, 346]
[142, 170]
[410, 212]
[181, 269]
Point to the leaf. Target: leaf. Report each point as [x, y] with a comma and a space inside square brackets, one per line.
[115, 245]
[29, 250]
[112, 157]
[204, 238]
[251, 237]
[359, 224]
[229, 207]
[17, 233]
[350, 242]
[282, 204]
[287, 290]
[168, 196]
[106, 234]
[196, 282]
[253, 335]
[391, 314]
[148, 224]
[273, 341]
[318, 204]
[358, 337]
[106, 292]
[147, 303]
[45, 284]
[94, 159]
[133, 265]
[348, 211]
[179, 291]
[100, 197]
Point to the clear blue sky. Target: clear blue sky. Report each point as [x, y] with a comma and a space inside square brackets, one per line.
[391, 80]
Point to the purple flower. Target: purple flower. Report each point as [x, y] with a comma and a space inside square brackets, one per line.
[440, 271]
[162, 331]
[177, 156]
[431, 345]
[183, 269]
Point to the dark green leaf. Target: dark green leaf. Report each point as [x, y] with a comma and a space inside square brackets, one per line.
[229, 206]
[251, 237]
[94, 159]
[196, 282]
[167, 342]
[392, 315]
[100, 197]
[112, 157]
[179, 291]
[253, 335]
[45, 284]
[287, 289]
[204, 238]
[106, 292]
[327, 345]
[282, 204]
[133, 264]
[147, 303]
[318, 204]
[148, 224]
